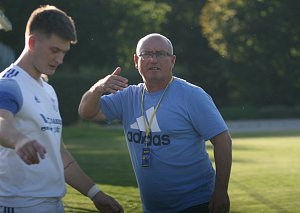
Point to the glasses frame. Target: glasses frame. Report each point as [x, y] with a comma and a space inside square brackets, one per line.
[150, 54]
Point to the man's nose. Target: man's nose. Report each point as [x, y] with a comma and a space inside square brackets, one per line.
[60, 58]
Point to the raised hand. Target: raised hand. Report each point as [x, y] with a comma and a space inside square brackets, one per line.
[111, 83]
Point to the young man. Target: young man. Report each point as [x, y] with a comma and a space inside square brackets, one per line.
[166, 122]
[34, 163]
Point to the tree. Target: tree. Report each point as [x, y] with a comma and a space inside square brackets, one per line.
[196, 61]
[107, 35]
[107, 30]
[261, 39]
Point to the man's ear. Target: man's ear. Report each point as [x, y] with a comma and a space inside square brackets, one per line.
[31, 42]
[173, 60]
[135, 59]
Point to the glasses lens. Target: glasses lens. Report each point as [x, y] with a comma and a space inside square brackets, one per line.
[157, 54]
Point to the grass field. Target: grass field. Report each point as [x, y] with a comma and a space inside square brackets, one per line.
[265, 174]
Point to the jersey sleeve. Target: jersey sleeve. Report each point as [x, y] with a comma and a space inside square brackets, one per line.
[10, 95]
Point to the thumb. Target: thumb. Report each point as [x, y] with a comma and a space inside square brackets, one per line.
[41, 150]
[117, 71]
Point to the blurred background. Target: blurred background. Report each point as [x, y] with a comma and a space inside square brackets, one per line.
[245, 54]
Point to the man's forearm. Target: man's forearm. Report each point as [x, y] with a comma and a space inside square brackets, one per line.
[8, 133]
[74, 175]
[223, 160]
[89, 105]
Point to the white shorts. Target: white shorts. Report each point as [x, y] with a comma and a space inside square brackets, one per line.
[49, 206]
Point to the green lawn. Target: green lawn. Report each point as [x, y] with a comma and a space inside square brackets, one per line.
[265, 173]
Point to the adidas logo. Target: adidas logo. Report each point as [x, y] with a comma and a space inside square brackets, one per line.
[140, 136]
[140, 124]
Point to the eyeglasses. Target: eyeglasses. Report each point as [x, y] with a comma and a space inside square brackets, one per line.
[157, 54]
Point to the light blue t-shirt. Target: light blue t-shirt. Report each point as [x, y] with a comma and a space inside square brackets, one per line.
[181, 174]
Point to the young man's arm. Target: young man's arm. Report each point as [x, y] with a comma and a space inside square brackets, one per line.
[76, 178]
[29, 150]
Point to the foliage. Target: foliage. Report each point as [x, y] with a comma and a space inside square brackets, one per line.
[69, 88]
[107, 30]
[196, 61]
[263, 112]
[262, 40]
[243, 53]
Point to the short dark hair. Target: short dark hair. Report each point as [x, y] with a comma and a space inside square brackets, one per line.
[49, 20]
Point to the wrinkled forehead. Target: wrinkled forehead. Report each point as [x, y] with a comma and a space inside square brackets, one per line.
[154, 43]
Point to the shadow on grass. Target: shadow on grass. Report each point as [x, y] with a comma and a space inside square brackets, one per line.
[107, 168]
[101, 153]
[259, 197]
[69, 209]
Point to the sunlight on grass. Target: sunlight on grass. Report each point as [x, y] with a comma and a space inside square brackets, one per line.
[264, 179]
[265, 175]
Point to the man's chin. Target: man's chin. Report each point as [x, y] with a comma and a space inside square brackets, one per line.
[50, 72]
